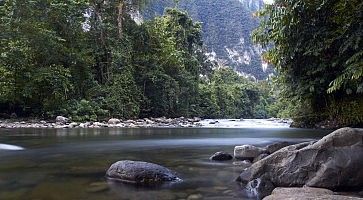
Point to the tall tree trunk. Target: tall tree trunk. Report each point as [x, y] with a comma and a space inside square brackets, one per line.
[103, 58]
[120, 8]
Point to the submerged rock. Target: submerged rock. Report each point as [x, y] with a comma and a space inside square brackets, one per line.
[98, 187]
[221, 156]
[138, 172]
[334, 162]
[247, 152]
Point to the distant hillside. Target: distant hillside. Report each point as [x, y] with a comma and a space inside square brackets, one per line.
[227, 26]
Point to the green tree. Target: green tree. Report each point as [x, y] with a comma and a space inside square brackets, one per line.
[316, 48]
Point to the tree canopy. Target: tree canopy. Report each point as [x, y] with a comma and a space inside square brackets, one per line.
[317, 50]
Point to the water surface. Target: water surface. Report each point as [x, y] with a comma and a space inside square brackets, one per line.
[59, 164]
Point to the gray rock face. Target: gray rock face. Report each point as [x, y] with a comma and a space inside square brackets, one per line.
[260, 157]
[277, 146]
[306, 193]
[61, 120]
[138, 172]
[247, 152]
[333, 162]
[221, 156]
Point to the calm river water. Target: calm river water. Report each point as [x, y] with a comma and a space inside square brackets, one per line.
[67, 164]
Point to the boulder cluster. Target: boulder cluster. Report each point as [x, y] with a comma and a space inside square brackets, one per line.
[334, 162]
[245, 155]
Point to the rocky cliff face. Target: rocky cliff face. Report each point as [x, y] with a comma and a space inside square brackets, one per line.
[227, 28]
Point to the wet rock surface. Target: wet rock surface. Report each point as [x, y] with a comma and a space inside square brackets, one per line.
[306, 193]
[334, 162]
[138, 172]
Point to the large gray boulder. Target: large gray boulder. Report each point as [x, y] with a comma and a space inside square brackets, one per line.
[334, 162]
[247, 152]
[138, 172]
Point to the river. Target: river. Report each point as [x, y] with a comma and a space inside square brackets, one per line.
[60, 164]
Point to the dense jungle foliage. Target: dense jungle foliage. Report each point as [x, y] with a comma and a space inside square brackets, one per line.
[89, 60]
[317, 49]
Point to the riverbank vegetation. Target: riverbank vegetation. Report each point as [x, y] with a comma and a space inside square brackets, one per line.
[90, 60]
[317, 50]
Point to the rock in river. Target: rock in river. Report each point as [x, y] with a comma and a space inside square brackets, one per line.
[221, 156]
[138, 172]
[334, 162]
[247, 152]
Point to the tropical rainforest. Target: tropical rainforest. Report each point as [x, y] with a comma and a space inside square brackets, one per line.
[92, 60]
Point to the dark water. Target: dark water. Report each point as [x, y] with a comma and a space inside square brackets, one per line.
[70, 164]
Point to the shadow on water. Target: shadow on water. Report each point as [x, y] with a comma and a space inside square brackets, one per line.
[71, 163]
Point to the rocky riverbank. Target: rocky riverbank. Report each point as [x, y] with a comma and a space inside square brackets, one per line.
[161, 122]
[63, 122]
[333, 163]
